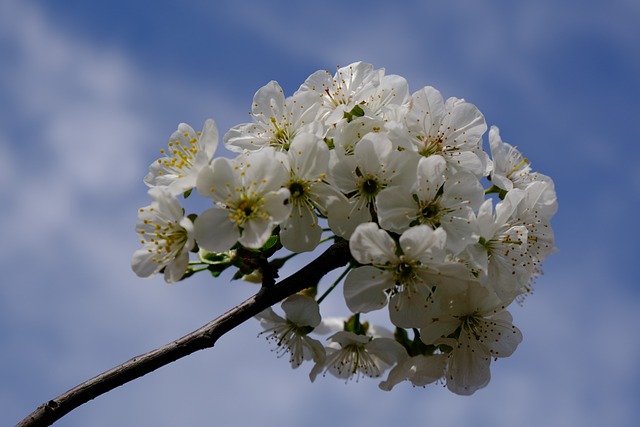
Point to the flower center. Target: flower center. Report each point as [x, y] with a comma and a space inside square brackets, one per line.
[246, 209]
[370, 187]
[180, 156]
[281, 135]
[297, 189]
[472, 323]
[431, 145]
[167, 237]
[430, 213]
[405, 273]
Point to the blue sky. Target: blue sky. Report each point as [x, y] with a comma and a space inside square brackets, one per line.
[90, 92]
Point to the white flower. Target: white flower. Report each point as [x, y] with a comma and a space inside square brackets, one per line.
[502, 253]
[357, 84]
[187, 154]
[374, 165]
[345, 135]
[167, 236]
[534, 211]
[308, 161]
[249, 198]
[276, 120]
[434, 201]
[409, 273]
[291, 334]
[352, 355]
[477, 327]
[452, 129]
[510, 168]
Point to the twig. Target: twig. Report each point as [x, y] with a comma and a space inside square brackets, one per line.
[335, 256]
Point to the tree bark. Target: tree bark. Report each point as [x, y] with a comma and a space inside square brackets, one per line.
[335, 256]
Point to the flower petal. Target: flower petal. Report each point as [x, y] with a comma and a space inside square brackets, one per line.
[214, 231]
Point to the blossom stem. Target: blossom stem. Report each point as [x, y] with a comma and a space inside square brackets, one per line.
[335, 256]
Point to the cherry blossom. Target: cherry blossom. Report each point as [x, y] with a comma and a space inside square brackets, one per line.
[442, 234]
[167, 236]
[188, 152]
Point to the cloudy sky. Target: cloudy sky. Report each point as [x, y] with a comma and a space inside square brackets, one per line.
[90, 92]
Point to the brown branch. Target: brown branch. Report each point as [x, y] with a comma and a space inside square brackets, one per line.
[335, 256]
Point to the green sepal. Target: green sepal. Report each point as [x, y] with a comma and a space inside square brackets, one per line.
[415, 346]
[218, 261]
[215, 258]
[419, 347]
[353, 325]
[271, 242]
[356, 111]
[216, 270]
[496, 190]
[402, 337]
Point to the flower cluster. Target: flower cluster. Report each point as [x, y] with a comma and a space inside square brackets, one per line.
[443, 234]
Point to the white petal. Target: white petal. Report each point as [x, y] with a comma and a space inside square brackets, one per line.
[143, 264]
[439, 327]
[420, 370]
[302, 310]
[309, 156]
[372, 151]
[364, 289]
[396, 209]
[466, 122]
[278, 205]
[408, 309]
[430, 177]
[372, 245]
[345, 215]
[256, 232]
[502, 337]
[301, 232]
[416, 241]
[209, 138]
[214, 231]
[218, 180]
[468, 368]
[264, 170]
[174, 271]
[269, 100]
